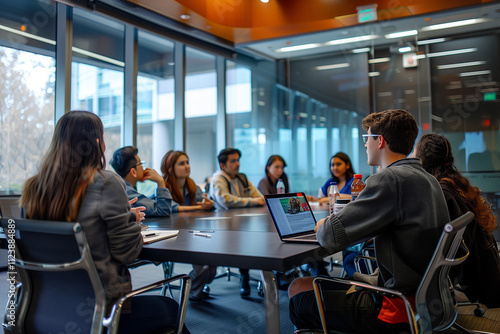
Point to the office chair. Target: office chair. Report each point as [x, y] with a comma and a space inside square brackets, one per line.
[435, 282]
[60, 288]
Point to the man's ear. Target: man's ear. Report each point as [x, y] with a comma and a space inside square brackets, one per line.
[221, 165]
[381, 141]
[133, 172]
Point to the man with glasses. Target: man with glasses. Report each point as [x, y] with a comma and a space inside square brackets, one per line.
[403, 208]
[132, 169]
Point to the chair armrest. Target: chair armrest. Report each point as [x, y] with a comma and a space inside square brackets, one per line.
[112, 321]
[367, 260]
[317, 291]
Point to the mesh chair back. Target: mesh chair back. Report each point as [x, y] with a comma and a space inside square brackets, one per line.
[61, 291]
[435, 299]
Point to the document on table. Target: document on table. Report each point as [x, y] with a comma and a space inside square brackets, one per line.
[149, 236]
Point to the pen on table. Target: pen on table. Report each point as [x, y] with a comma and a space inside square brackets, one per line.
[201, 231]
[203, 235]
[149, 234]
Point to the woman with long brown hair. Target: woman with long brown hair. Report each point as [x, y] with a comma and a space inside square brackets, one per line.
[189, 197]
[72, 186]
[480, 273]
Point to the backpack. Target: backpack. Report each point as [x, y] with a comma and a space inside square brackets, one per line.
[243, 178]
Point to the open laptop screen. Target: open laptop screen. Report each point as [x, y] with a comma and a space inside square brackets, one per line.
[291, 213]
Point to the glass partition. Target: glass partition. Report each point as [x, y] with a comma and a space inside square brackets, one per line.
[26, 117]
[200, 110]
[27, 99]
[155, 98]
[97, 73]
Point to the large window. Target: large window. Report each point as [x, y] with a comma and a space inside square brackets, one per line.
[97, 73]
[27, 69]
[26, 115]
[155, 98]
[200, 110]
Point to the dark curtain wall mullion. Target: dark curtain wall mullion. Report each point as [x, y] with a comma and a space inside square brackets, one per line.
[64, 43]
[129, 128]
[221, 120]
[180, 84]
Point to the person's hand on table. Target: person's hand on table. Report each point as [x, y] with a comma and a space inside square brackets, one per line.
[324, 200]
[319, 223]
[206, 204]
[139, 215]
[261, 201]
[311, 198]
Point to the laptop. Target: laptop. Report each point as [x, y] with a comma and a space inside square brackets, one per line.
[292, 216]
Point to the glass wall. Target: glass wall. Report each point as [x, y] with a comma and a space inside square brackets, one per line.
[155, 98]
[97, 73]
[27, 68]
[200, 110]
[303, 109]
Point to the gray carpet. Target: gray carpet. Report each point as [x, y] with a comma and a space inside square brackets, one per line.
[226, 312]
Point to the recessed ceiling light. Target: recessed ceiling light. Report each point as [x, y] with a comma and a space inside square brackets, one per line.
[331, 67]
[405, 49]
[431, 41]
[264, 1]
[350, 40]
[361, 50]
[379, 60]
[401, 34]
[185, 16]
[451, 52]
[456, 65]
[454, 24]
[298, 47]
[470, 74]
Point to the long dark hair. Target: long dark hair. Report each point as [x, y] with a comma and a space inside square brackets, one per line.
[283, 176]
[168, 170]
[437, 158]
[75, 154]
[349, 173]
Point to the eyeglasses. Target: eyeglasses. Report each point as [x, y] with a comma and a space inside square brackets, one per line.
[366, 136]
[142, 163]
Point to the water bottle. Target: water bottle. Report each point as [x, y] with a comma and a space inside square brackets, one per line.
[357, 186]
[280, 187]
[333, 195]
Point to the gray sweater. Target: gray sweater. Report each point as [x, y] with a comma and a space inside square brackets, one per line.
[404, 208]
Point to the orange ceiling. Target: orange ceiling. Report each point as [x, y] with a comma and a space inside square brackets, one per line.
[244, 21]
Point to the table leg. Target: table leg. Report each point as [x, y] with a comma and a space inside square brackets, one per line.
[272, 302]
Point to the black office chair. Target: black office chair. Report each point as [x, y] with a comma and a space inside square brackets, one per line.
[435, 282]
[59, 286]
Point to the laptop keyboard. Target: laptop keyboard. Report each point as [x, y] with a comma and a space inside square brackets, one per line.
[307, 237]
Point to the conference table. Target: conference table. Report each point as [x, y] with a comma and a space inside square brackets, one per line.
[243, 238]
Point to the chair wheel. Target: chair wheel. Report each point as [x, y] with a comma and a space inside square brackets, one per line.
[478, 311]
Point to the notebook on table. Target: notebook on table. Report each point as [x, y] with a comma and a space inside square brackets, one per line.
[149, 236]
[292, 216]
